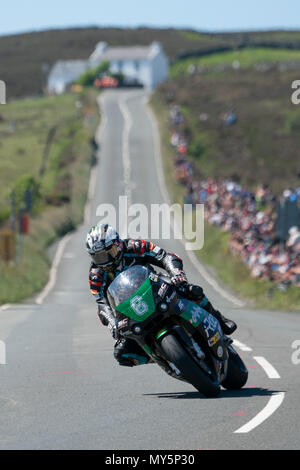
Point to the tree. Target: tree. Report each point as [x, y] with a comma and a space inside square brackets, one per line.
[88, 77]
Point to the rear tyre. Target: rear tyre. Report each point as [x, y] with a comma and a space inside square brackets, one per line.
[237, 373]
[190, 370]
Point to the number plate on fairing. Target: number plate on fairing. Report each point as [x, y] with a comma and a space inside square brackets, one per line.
[140, 305]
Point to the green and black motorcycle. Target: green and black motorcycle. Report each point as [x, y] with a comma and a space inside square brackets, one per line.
[177, 334]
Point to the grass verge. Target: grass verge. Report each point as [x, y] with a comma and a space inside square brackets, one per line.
[63, 184]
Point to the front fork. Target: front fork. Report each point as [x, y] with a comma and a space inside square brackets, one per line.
[167, 367]
[185, 338]
[185, 333]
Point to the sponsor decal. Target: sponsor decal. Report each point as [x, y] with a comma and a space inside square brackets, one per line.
[123, 323]
[212, 341]
[210, 324]
[162, 290]
[153, 277]
[196, 314]
[169, 299]
[139, 305]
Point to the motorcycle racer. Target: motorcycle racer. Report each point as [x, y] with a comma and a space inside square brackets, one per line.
[110, 256]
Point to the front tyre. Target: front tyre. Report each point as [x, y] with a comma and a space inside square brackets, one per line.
[237, 373]
[189, 369]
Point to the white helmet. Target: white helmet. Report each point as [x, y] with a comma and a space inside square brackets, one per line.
[104, 246]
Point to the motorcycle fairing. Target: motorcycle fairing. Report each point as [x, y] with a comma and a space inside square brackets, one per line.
[140, 305]
[206, 324]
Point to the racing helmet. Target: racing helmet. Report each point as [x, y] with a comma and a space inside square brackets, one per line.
[104, 246]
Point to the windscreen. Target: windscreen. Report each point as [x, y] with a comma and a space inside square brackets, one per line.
[126, 284]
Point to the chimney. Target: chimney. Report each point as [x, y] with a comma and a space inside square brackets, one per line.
[98, 52]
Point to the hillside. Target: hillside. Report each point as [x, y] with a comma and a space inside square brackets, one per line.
[235, 115]
[263, 144]
[23, 56]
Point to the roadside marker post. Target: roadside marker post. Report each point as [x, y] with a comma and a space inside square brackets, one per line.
[7, 245]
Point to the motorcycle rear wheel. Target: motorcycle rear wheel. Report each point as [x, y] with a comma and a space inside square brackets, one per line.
[189, 369]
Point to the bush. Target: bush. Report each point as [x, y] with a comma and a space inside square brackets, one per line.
[196, 148]
[4, 215]
[88, 77]
[24, 183]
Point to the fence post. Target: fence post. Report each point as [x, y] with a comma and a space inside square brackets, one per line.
[7, 245]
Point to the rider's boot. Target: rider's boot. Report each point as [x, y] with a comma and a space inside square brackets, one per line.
[129, 353]
[228, 326]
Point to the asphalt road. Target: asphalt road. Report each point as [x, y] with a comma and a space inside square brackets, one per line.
[61, 387]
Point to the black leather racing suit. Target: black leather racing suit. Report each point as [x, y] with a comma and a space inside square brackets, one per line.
[141, 252]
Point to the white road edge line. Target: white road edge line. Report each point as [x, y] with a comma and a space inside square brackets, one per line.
[4, 307]
[267, 367]
[53, 271]
[160, 173]
[272, 405]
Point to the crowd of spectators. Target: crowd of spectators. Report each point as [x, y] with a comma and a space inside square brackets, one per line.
[250, 216]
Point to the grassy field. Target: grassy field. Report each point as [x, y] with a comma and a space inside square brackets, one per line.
[24, 129]
[261, 147]
[62, 185]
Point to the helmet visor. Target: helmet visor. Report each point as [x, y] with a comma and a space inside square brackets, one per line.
[106, 256]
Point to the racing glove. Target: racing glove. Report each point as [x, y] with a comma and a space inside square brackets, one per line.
[179, 279]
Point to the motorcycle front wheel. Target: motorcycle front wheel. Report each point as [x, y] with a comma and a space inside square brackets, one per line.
[237, 373]
[190, 370]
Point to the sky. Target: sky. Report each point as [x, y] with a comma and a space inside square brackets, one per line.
[204, 15]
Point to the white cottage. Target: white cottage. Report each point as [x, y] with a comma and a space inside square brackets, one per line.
[65, 72]
[143, 65]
